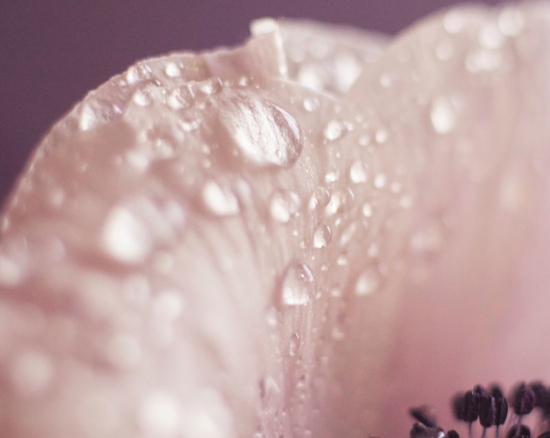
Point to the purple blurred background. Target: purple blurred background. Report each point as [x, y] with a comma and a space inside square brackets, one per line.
[52, 53]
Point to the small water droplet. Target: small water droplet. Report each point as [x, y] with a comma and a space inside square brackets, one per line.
[348, 233]
[209, 87]
[137, 73]
[261, 131]
[125, 237]
[181, 97]
[358, 172]
[454, 21]
[368, 282]
[159, 415]
[284, 205]
[442, 115]
[340, 201]
[168, 306]
[172, 70]
[94, 113]
[31, 372]
[319, 198]
[271, 317]
[511, 21]
[311, 76]
[490, 37]
[331, 177]
[365, 140]
[294, 344]
[142, 97]
[11, 273]
[298, 284]
[342, 260]
[367, 209]
[220, 200]
[311, 104]
[322, 236]
[337, 333]
[335, 129]
[428, 239]
[381, 135]
[123, 351]
[380, 181]
[444, 50]
[483, 61]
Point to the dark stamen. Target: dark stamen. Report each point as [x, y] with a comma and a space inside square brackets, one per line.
[523, 400]
[421, 431]
[424, 415]
[519, 431]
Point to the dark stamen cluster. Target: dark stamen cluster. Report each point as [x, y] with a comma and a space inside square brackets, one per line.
[489, 407]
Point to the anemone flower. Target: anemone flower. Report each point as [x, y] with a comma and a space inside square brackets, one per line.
[301, 237]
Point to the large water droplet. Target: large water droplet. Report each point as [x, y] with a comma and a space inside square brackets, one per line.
[368, 282]
[442, 115]
[284, 205]
[261, 131]
[298, 284]
[322, 236]
[220, 200]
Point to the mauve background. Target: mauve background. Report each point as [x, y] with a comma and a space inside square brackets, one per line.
[53, 52]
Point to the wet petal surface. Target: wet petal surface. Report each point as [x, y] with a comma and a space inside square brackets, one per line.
[205, 247]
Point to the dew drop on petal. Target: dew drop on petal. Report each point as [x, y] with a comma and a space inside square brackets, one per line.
[298, 284]
[319, 198]
[380, 181]
[381, 135]
[332, 176]
[368, 282]
[358, 172]
[511, 21]
[340, 201]
[490, 37]
[261, 131]
[220, 200]
[335, 130]
[294, 344]
[428, 239]
[138, 73]
[168, 306]
[367, 209]
[10, 272]
[322, 236]
[181, 98]
[442, 115]
[284, 205]
[172, 70]
[310, 104]
[159, 415]
[348, 233]
[123, 351]
[31, 372]
[125, 237]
